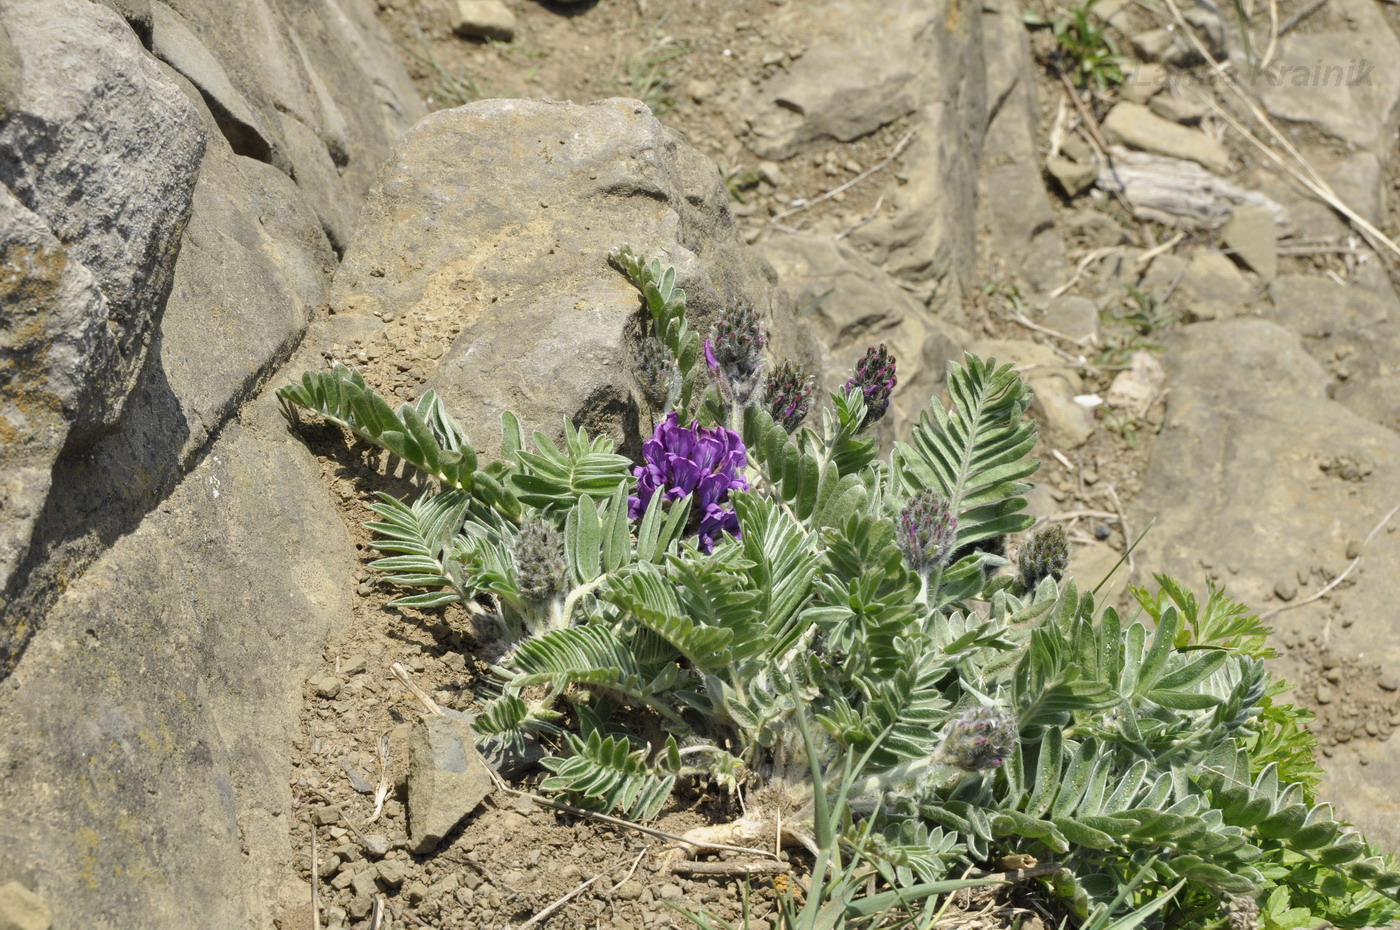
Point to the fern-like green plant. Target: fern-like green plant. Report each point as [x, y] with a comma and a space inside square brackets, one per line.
[844, 648]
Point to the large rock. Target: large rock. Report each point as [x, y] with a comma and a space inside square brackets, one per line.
[313, 88]
[105, 150]
[1354, 333]
[98, 156]
[1259, 479]
[233, 275]
[853, 305]
[1339, 75]
[1020, 242]
[845, 89]
[862, 66]
[513, 245]
[145, 760]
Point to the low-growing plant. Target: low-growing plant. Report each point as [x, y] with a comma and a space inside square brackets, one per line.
[1084, 50]
[836, 637]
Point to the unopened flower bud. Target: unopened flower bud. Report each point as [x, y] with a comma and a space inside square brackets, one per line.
[656, 371]
[734, 353]
[1045, 556]
[540, 568]
[789, 394]
[875, 376]
[980, 738]
[737, 341]
[927, 528]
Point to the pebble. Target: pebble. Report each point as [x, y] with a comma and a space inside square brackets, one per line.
[1372, 728]
[325, 815]
[484, 19]
[327, 686]
[1324, 694]
[1389, 683]
[22, 909]
[377, 846]
[1285, 589]
[329, 866]
[391, 873]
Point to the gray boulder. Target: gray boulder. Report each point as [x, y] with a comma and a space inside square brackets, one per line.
[104, 150]
[1354, 333]
[145, 761]
[513, 244]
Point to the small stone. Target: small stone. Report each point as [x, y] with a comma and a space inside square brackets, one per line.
[327, 686]
[484, 19]
[1353, 548]
[1285, 589]
[629, 890]
[325, 815]
[1072, 315]
[1138, 127]
[343, 880]
[1253, 235]
[356, 776]
[447, 778]
[1073, 178]
[360, 906]
[329, 866]
[1178, 109]
[1389, 683]
[21, 909]
[670, 892]
[377, 846]
[364, 589]
[1372, 728]
[364, 882]
[770, 173]
[354, 665]
[415, 891]
[1141, 83]
[1324, 694]
[391, 873]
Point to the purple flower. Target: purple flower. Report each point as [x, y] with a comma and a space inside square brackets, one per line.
[875, 377]
[703, 463]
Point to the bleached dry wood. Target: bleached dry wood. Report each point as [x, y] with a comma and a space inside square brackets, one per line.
[1180, 193]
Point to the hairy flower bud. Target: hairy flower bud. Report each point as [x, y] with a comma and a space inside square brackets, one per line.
[927, 528]
[699, 462]
[540, 568]
[1046, 555]
[980, 738]
[737, 341]
[875, 376]
[656, 371]
[789, 394]
[734, 353]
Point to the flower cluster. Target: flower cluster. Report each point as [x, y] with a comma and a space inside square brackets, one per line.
[538, 551]
[1046, 555]
[734, 353]
[927, 528]
[702, 463]
[875, 376]
[788, 394]
[980, 738]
